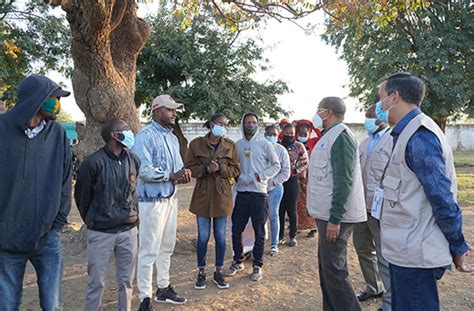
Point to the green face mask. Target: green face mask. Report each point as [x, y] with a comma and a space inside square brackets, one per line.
[51, 105]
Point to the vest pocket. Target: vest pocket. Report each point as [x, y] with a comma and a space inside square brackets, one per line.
[391, 189]
[320, 169]
[376, 170]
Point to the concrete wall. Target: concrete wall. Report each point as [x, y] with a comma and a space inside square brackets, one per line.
[459, 136]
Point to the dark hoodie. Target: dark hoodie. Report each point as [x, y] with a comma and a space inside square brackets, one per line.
[35, 174]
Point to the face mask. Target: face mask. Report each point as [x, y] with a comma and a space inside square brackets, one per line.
[272, 139]
[317, 121]
[218, 130]
[381, 114]
[287, 140]
[370, 125]
[51, 106]
[128, 139]
[302, 139]
[250, 131]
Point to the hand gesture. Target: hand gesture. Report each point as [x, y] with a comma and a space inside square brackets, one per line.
[332, 232]
[186, 176]
[213, 167]
[459, 261]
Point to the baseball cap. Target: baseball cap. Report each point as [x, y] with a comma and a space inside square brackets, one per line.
[165, 101]
[59, 92]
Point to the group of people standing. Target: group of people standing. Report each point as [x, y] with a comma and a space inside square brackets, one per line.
[395, 192]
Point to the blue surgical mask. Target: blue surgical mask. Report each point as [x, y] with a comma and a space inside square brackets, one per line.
[218, 130]
[128, 139]
[272, 139]
[302, 139]
[381, 114]
[370, 125]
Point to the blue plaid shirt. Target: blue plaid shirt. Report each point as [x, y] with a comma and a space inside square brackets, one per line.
[158, 150]
[424, 156]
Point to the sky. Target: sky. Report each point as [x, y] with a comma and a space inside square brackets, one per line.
[311, 68]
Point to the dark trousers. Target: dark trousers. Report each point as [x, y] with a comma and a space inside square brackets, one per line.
[338, 293]
[288, 205]
[253, 205]
[414, 288]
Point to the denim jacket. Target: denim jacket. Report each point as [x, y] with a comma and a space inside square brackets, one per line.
[158, 150]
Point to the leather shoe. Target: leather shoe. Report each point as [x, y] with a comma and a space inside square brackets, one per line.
[363, 296]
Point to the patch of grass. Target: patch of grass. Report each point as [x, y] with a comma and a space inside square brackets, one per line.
[464, 158]
[465, 189]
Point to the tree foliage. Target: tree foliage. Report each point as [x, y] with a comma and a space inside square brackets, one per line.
[207, 67]
[434, 43]
[33, 40]
[244, 13]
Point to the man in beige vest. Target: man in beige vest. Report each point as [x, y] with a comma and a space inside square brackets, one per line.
[421, 222]
[336, 200]
[374, 154]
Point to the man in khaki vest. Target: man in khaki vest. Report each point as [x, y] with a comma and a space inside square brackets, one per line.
[336, 200]
[374, 154]
[421, 222]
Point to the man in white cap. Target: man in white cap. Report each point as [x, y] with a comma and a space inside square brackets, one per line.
[161, 169]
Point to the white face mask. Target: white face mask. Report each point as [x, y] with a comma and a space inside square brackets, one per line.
[317, 120]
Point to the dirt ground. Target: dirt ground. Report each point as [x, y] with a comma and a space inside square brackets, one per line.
[290, 280]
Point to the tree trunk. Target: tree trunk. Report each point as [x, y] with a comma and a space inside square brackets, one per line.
[107, 37]
[183, 141]
[441, 123]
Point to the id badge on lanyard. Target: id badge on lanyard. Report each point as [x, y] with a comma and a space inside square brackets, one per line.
[377, 203]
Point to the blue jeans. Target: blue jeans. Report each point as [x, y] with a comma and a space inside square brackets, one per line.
[274, 199]
[46, 260]
[414, 288]
[204, 232]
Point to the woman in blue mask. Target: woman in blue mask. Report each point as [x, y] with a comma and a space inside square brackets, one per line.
[213, 161]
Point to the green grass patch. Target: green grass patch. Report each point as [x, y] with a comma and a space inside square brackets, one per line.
[466, 189]
[464, 158]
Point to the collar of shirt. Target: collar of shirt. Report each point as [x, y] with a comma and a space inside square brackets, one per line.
[326, 130]
[404, 121]
[161, 128]
[112, 155]
[380, 133]
[31, 133]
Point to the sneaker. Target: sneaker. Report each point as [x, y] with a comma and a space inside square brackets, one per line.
[311, 233]
[274, 250]
[234, 267]
[168, 295]
[201, 281]
[293, 242]
[219, 280]
[256, 274]
[146, 305]
[282, 241]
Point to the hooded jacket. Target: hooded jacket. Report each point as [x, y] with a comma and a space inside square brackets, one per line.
[257, 156]
[35, 174]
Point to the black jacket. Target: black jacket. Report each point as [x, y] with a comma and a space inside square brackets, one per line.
[35, 174]
[105, 191]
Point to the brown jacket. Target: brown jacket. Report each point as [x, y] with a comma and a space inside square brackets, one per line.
[212, 196]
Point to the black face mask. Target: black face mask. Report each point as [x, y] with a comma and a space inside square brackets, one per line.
[287, 140]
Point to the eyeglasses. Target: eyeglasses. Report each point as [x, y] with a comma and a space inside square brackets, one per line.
[321, 110]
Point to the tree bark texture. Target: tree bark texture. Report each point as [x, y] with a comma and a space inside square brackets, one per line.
[107, 37]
